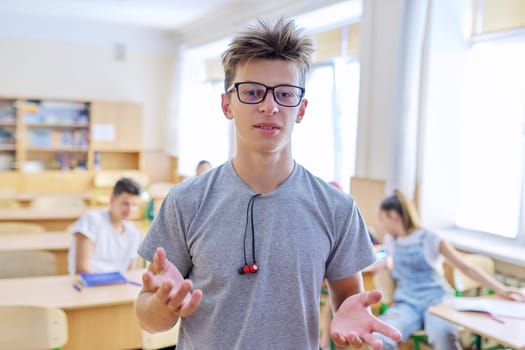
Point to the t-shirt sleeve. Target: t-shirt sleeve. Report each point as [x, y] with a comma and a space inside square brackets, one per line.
[352, 249]
[431, 247]
[389, 244]
[136, 238]
[167, 231]
[85, 225]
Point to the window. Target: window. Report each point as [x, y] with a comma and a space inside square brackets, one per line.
[332, 91]
[492, 157]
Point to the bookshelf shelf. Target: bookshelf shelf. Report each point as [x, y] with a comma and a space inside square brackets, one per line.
[57, 126]
[57, 149]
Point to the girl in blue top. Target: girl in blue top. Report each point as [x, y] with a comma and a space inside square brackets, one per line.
[415, 260]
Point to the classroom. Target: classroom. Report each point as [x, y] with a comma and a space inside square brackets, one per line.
[425, 97]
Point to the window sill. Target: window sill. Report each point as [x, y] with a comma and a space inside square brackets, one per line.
[503, 249]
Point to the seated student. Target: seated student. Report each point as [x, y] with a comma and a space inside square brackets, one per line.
[416, 267]
[103, 241]
[202, 167]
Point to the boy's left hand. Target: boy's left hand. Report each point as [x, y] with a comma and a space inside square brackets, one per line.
[353, 324]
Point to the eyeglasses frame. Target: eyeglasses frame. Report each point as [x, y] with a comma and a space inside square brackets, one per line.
[272, 88]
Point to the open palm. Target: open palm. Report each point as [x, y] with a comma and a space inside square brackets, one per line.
[353, 324]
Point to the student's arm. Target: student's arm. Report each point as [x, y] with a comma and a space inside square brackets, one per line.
[83, 253]
[165, 297]
[455, 259]
[353, 323]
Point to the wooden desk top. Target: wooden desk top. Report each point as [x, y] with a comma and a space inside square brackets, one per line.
[25, 214]
[510, 333]
[29, 196]
[58, 291]
[58, 240]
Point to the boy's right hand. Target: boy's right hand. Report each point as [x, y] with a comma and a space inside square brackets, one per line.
[170, 292]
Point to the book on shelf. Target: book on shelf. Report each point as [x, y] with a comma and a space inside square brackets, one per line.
[102, 278]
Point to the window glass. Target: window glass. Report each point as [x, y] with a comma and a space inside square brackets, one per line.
[492, 130]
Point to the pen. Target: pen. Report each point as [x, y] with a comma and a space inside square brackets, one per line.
[488, 314]
[77, 287]
[135, 283]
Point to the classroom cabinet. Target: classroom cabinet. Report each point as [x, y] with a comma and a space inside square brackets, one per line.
[116, 135]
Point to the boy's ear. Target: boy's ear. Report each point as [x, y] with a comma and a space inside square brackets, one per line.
[225, 104]
[301, 111]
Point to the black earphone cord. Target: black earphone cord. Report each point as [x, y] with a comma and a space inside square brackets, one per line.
[249, 215]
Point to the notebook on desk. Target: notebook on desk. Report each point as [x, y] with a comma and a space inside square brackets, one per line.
[101, 279]
[504, 308]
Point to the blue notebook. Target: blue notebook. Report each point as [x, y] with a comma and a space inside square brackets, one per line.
[102, 279]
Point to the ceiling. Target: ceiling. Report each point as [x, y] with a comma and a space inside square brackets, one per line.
[159, 14]
[172, 15]
[193, 23]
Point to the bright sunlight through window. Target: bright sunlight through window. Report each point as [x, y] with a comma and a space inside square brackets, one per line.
[492, 152]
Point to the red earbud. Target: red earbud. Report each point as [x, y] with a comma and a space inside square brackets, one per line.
[253, 268]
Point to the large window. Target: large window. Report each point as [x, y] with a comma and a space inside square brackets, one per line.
[325, 140]
[492, 157]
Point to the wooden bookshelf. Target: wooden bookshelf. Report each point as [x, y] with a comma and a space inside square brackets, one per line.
[52, 134]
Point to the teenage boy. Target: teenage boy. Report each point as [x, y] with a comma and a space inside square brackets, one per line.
[239, 254]
[103, 240]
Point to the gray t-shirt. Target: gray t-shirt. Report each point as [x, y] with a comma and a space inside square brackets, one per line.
[304, 231]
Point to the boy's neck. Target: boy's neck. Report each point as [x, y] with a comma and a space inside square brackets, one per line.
[263, 174]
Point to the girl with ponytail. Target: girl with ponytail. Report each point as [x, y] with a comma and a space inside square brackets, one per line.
[415, 258]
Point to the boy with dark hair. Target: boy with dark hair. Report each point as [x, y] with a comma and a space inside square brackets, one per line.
[103, 240]
[239, 254]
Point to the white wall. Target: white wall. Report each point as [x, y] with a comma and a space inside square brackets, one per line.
[76, 60]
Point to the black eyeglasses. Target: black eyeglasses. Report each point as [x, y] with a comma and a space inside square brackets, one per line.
[252, 93]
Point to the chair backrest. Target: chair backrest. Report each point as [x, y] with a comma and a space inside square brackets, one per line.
[368, 194]
[27, 263]
[463, 283]
[11, 227]
[8, 198]
[151, 341]
[32, 327]
[384, 282]
[53, 201]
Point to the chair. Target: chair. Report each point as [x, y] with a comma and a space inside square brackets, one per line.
[8, 199]
[11, 227]
[32, 327]
[27, 263]
[151, 341]
[53, 201]
[463, 284]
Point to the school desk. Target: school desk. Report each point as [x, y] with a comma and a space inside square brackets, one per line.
[55, 242]
[24, 199]
[509, 333]
[98, 317]
[51, 219]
